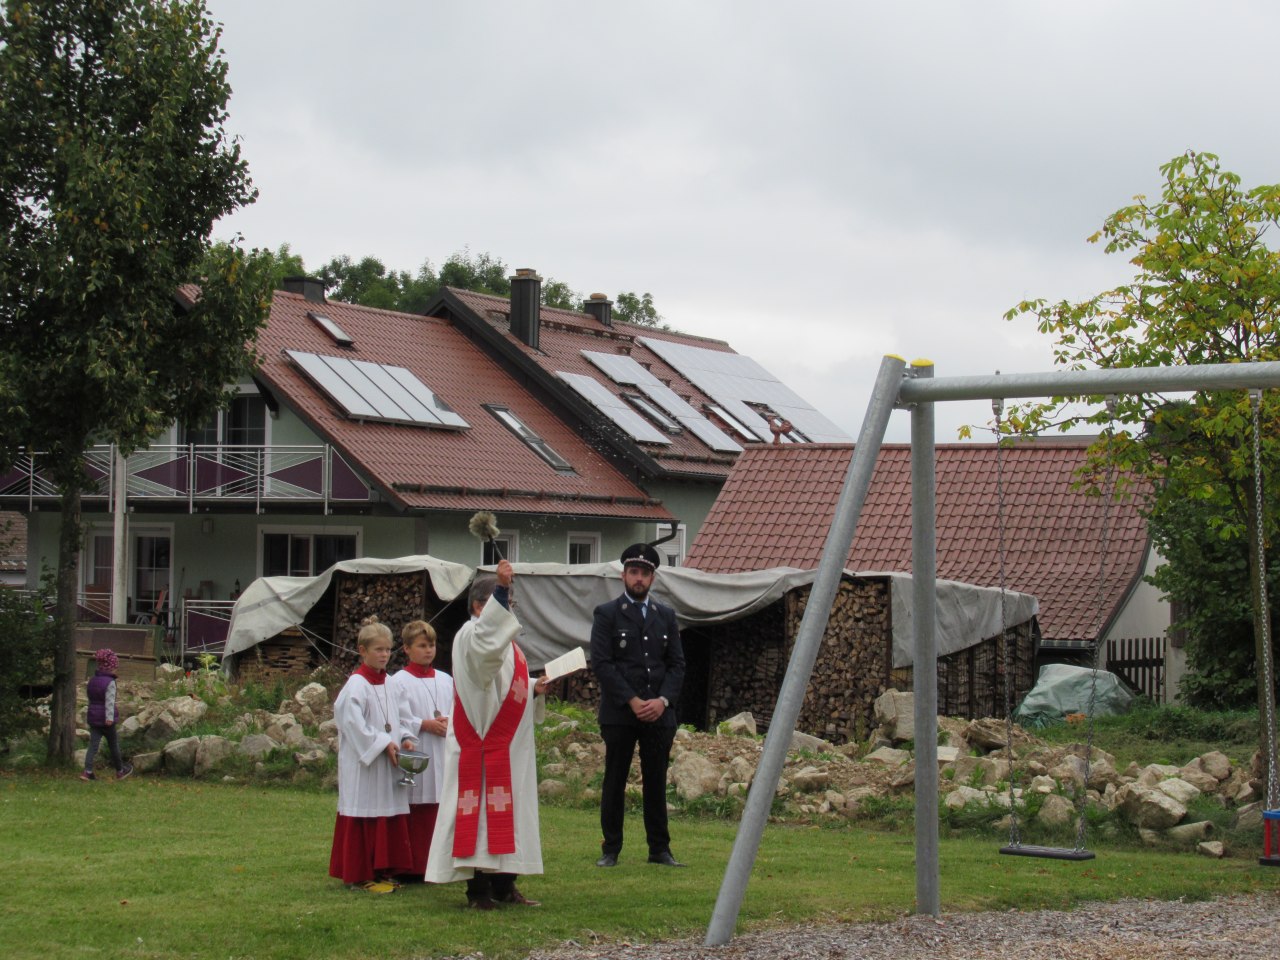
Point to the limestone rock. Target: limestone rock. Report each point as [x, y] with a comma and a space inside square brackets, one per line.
[185, 710]
[1070, 772]
[1153, 773]
[1198, 777]
[1056, 811]
[947, 755]
[811, 744]
[981, 770]
[148, 762]
[256, 745]
[888, 756]
[180, 755]
[1147, 807]
[129, 727]
[694, 775]
[1211, 848]
[169, 671]
[1216, 764]
[962, 796]
[552, 788]
[742, 770]
[211, 751]
[1191, 832]
[1179, 789]
[316, 756]
[810, 780]
[906, 777]
[739, 725]
[987, 733]
[894, 711]
[314, 697]
[951, 733]
[162, 729]
[285, 728]
[1249, 817]
[1102, 772]
[1042, 785]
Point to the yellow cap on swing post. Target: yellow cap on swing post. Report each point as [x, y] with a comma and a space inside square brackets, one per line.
[922, 363]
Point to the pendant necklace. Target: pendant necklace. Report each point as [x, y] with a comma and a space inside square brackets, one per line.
[386, 717]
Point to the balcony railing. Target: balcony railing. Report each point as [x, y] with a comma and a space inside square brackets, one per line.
[200, 474]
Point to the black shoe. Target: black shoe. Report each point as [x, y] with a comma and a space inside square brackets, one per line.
[516, 897]
[665, 858]
[608, 860]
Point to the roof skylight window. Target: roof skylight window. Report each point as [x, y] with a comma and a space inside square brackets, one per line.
[531, 439]
[377, 391]
[340, 337]
[652, 412]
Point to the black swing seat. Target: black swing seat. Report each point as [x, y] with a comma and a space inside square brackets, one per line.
[1046, 853]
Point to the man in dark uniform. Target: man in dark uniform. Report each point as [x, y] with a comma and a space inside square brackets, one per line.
[638, 661]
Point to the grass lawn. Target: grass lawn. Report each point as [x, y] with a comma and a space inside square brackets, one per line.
[176, 868]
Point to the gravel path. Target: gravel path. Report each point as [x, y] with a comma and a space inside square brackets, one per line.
[1229, 928]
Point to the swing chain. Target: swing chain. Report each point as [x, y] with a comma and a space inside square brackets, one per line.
[1266, 674]
[1015, 833]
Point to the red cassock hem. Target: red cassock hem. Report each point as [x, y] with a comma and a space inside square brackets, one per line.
[422, 825]
[367, 847]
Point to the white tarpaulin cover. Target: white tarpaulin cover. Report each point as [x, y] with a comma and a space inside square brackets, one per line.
[554, 601]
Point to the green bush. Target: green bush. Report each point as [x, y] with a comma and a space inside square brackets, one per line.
[26, 655]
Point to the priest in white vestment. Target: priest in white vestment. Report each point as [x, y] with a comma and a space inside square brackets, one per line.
[487, 829]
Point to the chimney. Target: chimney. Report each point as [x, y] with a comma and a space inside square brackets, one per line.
[600, 307]
[310, 287]
[526, 300]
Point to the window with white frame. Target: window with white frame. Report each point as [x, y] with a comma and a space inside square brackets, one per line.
[507, 548]
[584, 548]
[305, 551]
[672, 550]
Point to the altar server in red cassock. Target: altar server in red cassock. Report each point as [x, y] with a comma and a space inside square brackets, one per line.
[371, 835]
[487, 830]
[428, 694]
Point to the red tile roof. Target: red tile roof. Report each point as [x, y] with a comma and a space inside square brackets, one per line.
[483, 467]
[778, 503]
[563, 336]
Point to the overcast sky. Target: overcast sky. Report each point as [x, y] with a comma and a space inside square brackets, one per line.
[818, 183]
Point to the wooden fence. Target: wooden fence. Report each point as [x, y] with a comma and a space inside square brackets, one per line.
[1139, 661]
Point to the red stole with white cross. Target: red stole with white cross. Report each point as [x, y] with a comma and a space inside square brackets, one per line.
[484, 764]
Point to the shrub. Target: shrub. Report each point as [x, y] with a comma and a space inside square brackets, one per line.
[26, 653]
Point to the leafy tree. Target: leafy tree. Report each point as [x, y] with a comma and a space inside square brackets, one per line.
[480, 273]
[637, 308]
[558, 294]
[367, 282]
[114, 170]
[1207, 291]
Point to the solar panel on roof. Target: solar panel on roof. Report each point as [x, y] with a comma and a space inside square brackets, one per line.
[627, 371]
[732, 380]
[616, 409]
[376, 391]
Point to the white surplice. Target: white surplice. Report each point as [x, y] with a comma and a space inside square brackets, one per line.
[366, 776]
[483, 666]
[426, 698]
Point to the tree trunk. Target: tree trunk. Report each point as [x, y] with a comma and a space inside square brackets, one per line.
[62, 709]
[1267, 734]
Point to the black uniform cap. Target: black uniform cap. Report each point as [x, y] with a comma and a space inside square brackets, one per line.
[642, 554]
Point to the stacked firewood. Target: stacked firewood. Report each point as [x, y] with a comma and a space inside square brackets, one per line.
[394, 599]
[288, 654]
[854, 659]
